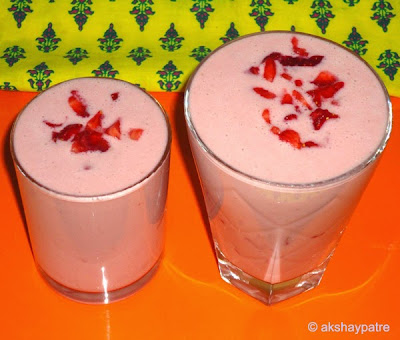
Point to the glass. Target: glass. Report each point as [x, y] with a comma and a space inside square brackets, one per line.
[260, 248]
[97, 248]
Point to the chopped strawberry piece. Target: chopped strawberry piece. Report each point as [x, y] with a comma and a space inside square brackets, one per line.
[89, 140]
[300, 61]
[52, 125]
[296, 49]
[114, 130]
[320, 116]
[76, 103]
[275, 130]
[330, 91]
[264, 93]
[290, 117]
[287, 60]
[316, 96]
[287, 99]
[273, 56]
[298, 82]
[67, 132]
[325, 92]
[135, 134]
[309, 144]
[324, 78]
[286, 76]
[254, 70]
[291, 137]
[95, 122]
[269, 69]
[299, 97]
[266, 116]
[114, 96]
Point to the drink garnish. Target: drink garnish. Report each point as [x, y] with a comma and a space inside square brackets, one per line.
[91, 136]
[303, 99]
[76, 103]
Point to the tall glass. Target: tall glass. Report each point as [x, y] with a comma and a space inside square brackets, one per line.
[273, 240]
[93, 248]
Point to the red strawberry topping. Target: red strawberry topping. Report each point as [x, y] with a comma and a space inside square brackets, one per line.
[320, 116]
[89, 140]
[269, 69]
[299, 97]
[52, 125]
[290, 117]
[91, 136]
[327, 91]
[300, 61]
[67, 132]
[326, 86]
[254, 70]
[324, 78]
[76, 103]
[275, 130]
[135, 134]
[286, 76]
[292, 137]
[287, 99]
[309, 144]
[114, 130]
[266, 116]
[287, 60]
[95, 122]
[296, 49]
[264, 93]
[298, 82]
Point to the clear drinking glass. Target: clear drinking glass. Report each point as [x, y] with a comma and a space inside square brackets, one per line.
[94, 248]
[274, 240]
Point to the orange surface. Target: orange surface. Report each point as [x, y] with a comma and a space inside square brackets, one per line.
[187, 298]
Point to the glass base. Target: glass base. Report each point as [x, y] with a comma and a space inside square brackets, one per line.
[266, 292]
[100, 297]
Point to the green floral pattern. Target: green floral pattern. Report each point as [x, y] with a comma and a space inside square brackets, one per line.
[169, 77]
[20, 9]
[110, 41]
[171, 40]
[202, 10]
[76, 55]
[13, 54]
[139, 55]
[142, 10]
[48, 42]
[81, 11]
[390, 63]
[356, 43]
[40, 77]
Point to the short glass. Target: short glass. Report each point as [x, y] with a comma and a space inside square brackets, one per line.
[96, 248]
[260, 248]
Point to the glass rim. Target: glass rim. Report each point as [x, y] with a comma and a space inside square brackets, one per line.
[108, 195]
[285, 185]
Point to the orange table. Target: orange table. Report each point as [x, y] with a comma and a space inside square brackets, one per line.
[187, 298]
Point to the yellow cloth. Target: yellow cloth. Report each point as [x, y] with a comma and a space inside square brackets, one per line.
[158, 43]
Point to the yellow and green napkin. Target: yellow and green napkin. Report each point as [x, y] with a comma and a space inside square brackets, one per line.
[158, 43]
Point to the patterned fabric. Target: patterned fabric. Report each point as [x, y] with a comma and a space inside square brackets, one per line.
[158, 43]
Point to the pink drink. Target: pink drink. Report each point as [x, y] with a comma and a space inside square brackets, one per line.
[92, 160]
[285, 129]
